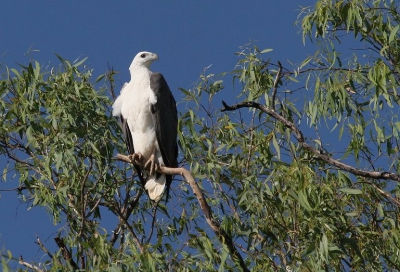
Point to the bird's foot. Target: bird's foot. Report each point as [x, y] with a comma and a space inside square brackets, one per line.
[152, 165]
[136, 158]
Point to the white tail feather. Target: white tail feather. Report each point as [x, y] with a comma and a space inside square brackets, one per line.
[155, 187]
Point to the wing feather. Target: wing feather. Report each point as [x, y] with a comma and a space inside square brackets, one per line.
[129, 145]
[165, 117]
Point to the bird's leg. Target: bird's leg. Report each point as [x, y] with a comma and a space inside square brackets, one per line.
[151, 164]
[136, 158]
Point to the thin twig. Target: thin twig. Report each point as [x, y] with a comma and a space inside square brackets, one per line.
[82, 214]
[249, 155]
[41, 245]
[18, 189]
[110, 78]
[135, 238]
[153, 222]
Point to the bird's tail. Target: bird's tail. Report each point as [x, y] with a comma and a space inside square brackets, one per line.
[155, 185]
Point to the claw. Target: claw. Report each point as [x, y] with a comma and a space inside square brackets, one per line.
[136, 158]
[152, 165]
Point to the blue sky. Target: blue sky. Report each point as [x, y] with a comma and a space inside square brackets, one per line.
[187, 35]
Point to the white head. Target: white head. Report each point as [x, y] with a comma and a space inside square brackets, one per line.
[143, 59]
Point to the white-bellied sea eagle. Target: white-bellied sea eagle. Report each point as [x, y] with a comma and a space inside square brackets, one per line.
[149, 122]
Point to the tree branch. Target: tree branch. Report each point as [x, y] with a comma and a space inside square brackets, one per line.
[382, 192]
[317, 154]
[28, 265]
[214, 225]
[124, 214]
[41, 245]
[66, 253]
[124, 219]
[153, 222]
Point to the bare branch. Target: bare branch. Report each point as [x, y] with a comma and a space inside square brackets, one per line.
[19, 189]
[41, 245]
[152, 222]
[123, 217]
[28, 265]
[382, 192]
[221, 234]
[83, 205]
[110, 78]
[124, 214]
[317, 153]
[250, 144]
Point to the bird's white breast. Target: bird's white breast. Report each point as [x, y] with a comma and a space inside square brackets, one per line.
[136, 108]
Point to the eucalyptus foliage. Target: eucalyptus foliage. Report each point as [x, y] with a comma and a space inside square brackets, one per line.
[301, 174]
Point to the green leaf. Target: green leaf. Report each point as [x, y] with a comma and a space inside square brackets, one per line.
[224, 256]
[380, 210]
[324, 245]
[100, 78]
[276, 146]
[16, 73]
[266, 51]
[5, 171]
[79, 63]
[351, 191]
[302, 197]
[29, 136]
[54, 123]
[58, 158]
[393, 33]
[94, 148]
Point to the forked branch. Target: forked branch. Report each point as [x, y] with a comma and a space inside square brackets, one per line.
[300, 138]
[214, 225]
[66, 253]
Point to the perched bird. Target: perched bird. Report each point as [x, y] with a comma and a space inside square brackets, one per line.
[149, 122]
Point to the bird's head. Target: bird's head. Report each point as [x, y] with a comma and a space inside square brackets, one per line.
[143, 59]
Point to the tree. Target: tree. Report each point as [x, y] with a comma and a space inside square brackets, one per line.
[301, 175]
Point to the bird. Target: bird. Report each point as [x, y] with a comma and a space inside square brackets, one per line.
[148, 114]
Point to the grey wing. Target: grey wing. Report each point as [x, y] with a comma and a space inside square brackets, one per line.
[129, 145]
[127, 136]
[165, 116]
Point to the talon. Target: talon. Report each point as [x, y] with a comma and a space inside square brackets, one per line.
[151, 164]
[136, 158]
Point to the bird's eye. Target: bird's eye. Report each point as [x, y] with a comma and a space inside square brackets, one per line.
[143, 56]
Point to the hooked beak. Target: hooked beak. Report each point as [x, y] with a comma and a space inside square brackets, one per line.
[155, 56]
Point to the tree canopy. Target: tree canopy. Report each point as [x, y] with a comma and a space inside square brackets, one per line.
[299, 172]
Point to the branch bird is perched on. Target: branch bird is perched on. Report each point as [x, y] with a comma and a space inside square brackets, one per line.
[149, 122]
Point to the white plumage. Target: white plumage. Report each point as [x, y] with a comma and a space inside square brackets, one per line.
[144, 105]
